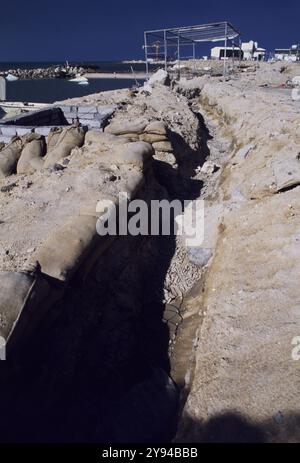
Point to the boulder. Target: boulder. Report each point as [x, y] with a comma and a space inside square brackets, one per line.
[296, 80]
[286, 168]
[9, 156]
[160, 77]
[31, 158]
[296, 94]
[209, 168]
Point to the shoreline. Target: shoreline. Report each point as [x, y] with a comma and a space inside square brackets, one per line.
[115, 75]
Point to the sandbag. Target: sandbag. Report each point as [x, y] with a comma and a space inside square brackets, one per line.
[131, 136]
[53, 137]
[31, 158]
[9, 157]
[69, 138]
[66, 249]
[157, 128]
[103, 139]
[164, 146]
[21, 296]
[125, 127]
[136, 153]
[152, 138]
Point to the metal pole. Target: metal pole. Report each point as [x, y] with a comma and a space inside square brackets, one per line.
[194, 58]
[146, 54]
[165, 46]
[2, 88]
[225, 52]
[178, 55]
[240, 45]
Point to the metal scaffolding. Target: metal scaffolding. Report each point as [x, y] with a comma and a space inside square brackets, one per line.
[158, 43]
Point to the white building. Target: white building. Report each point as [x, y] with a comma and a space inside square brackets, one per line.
[288, 54]
[248, 51]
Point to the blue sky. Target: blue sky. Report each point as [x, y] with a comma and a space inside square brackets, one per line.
[113, 29]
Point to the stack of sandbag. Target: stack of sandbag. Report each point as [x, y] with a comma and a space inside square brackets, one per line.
[32, 157]
[109, 149]
[156, 133]
[129, 129]
[9, 156]
[60, 147]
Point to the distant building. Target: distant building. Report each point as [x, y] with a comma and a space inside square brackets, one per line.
[288, 54]
[249, 51]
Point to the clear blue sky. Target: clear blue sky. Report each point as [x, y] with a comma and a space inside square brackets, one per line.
[43, 30]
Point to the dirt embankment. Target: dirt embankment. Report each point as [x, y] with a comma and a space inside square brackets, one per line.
[244, 383]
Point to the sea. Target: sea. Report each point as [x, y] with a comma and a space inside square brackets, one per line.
[50, 90]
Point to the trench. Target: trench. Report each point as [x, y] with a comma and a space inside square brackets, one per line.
[110, 361]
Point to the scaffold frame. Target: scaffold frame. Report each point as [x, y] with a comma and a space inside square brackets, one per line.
[179, 37]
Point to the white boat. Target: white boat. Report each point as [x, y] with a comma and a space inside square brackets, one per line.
[11, 77]
[80, 80]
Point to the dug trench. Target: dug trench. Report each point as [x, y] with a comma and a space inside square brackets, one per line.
[110, 362]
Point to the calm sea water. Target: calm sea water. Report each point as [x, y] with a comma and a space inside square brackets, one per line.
[50, 90]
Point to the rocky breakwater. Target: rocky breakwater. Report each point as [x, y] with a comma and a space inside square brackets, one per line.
[51, 72]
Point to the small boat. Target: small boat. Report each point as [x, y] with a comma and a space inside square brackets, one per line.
[11, 77]
[81, 80]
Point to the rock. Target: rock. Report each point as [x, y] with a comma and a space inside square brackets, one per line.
[295, 94]
[30, 250]
[200, 256]
[296, 80]
[286, 168]
[243, 152]
[163, 146]
[160, 77]
[209, 168]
